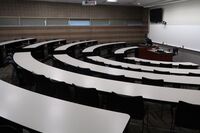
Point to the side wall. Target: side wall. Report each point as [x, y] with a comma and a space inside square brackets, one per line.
[183, 25]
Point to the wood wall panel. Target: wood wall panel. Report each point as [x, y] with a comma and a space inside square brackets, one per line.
[26, 8]
[109, 33]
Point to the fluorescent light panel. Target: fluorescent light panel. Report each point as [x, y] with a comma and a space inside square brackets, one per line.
[111, 0]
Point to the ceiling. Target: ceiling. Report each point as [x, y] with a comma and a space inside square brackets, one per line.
[144, 3]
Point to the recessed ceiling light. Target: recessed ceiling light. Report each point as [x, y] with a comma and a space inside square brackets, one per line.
[111, 0]
[139, 3]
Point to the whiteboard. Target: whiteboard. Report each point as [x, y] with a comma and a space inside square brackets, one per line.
[187, 36]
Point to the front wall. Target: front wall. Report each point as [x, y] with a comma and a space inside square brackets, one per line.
[26, 8]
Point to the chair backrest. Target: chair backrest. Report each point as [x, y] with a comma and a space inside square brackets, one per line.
[134, 69]
[161, 72]
[85, 71]
[187, 66]
[129, 61]
[87, 96]
[44, 85]
[146, 63]
[134, 106]
[187, 115]
[117, 77]
[42, 81]
[100, 63]
[63, 91]
[25, 77]
[39, 53]
[8, 129]
[165, 65]
[157, 82]
[115, 66]
[193, 74]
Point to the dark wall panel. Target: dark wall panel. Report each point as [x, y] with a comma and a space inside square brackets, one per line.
[27, 8]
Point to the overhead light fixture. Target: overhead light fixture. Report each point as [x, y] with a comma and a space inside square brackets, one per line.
[89, 2]
[111, 0]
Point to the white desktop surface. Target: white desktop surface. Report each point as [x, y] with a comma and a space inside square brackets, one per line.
[15, 41]
[147, 91]
[147, 68]
[158, 62]
[92, 48]
[132, 74]
[50, 115]
[123, 50]
[64, 47]
[43, 43]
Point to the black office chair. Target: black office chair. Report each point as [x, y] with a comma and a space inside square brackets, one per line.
[85, 71]
[134, 106]
[18, 71]
[157, 82]
[165, 65]
[100, 63]
[8, 129]
[161, 72]
[115, 66]
[24, 77]
[129, 61]
[193, 74]
[44, 85]
[145, 63]
[120, 78]
[93, 62]
[86, 96]
[118, 57]
[7, 126]
[63, 91]
[187, 66]
[39, 53]
[28, 78]
[187, 116]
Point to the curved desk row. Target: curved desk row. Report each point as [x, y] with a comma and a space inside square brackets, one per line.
[123, 50]
[146, 68]
[131, 74]
[64, 47]
[158, 62]
[176, 64]
[9, 46]
[92, 48]
[43, 49]
[114, 71]
[149, 92]
[43, 43]
[28, 40]
[50, 115]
